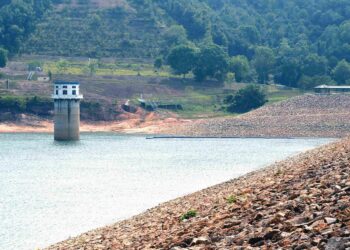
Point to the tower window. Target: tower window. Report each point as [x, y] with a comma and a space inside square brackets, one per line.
[56, 92]
[74, 87]
[64, 87]
[65, 92]
[74, 92]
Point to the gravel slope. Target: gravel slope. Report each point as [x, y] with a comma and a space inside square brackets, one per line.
[302, 116]
[300, 203]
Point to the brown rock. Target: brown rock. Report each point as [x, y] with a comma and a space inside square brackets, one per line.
[231, 223]
[201, 240]
[337, 243]
[330, 220]
[274, 235]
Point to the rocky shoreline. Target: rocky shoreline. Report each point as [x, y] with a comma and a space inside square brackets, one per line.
[300, 203]
[303, 116]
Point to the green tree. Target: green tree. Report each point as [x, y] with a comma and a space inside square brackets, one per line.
[341, 72]
[182, 59]
[50, 75]
[309, 82]
[95, 21]
[264, 61]
[344, 31]
[3, 57]
[240, 66]
[315, 65]
[212, 62]
[175, 35]
[246, 99]
[249, 33]
[288, 68]
[158, 63]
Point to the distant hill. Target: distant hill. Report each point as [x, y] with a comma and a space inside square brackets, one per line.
[144, 28]
[290, 42]
[97, 28]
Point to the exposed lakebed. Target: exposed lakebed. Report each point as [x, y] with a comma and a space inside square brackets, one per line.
[50, 191]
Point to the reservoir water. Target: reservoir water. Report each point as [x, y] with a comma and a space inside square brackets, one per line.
[50, 191]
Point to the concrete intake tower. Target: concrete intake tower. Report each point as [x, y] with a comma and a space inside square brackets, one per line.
[67, 110]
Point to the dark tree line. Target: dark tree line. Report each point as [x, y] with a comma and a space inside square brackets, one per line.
[17, 21]
[291, 42]
[296, 43]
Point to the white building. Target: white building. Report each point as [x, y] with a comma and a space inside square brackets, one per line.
[66, 90]
[328, 89]
[67, 110]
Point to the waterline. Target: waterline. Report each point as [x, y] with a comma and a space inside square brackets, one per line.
[52, 190]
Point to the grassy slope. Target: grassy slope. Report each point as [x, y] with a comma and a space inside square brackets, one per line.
[128, 79]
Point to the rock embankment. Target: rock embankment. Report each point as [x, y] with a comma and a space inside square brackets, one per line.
[302, 116]
[300, 203]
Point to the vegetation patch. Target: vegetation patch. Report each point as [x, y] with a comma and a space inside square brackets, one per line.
[188, 215]
[232, 199]
[246, 99]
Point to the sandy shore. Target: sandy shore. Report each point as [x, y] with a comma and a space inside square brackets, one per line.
[300, 203]
[130, 126]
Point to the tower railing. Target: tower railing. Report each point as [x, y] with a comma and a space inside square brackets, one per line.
[67, 97]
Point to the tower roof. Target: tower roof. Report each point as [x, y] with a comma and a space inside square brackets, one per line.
[60, 82]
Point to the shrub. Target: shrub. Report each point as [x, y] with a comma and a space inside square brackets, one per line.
[3, 57]
[158, 63]
[231, 199]
[12, 104]
[188, 215]
[246, 99]
[341, 72]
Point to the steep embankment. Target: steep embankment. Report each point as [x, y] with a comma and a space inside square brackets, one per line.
[302, 116]
[300, 203]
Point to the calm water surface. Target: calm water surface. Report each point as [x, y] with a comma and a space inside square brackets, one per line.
[50, 191]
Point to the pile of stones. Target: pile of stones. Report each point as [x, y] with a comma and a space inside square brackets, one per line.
[300, 203]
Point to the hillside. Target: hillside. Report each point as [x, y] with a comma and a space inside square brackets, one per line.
[304, 42]
[140, 25]
[96, 29]
[307, 115]
[300, 203]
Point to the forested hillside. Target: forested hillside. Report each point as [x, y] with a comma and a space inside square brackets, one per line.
[17, 20]
[292, 42]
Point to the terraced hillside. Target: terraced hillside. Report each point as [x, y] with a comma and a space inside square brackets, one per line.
[95, 29]
[144, 28]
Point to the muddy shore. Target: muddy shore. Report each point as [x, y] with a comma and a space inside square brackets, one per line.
[300, 203]
[33, 124]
